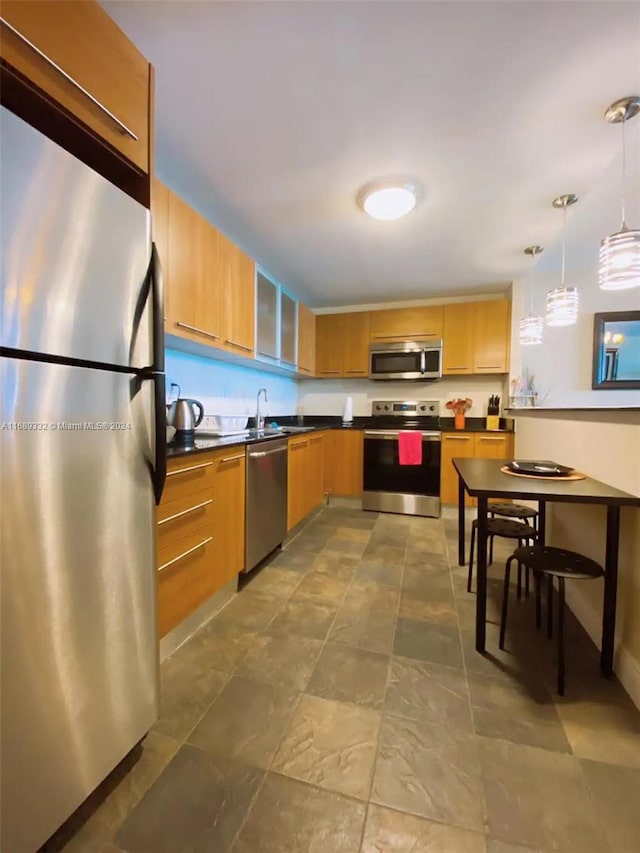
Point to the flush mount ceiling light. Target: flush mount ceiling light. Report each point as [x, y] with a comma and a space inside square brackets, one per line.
[619, 267]
[531, 326]
[389, 199]
[562, 302]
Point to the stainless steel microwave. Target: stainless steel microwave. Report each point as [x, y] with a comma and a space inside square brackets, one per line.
[406, 360]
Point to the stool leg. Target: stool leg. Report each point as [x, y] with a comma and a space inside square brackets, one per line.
[490, 550]
[473, 545]
[526, 581]
[519, 574]
[505, 601]
[550, 607]
[537, 582]
[561, 668]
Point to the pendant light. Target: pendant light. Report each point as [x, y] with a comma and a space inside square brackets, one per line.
[531, 326]
[619, 267]
[562, 302]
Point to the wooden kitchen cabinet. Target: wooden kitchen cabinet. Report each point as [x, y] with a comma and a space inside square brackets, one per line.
[485, 445]
[80, 38]
[193, 301]
[228, 514]
[315, 478]
[342, 345]
[237, 271]
[458, 338]
[460, 444]
[343, 459]
[410, 324]
[306, 340]
[298, 462]
[329, 358]
[355, 345]
[492, 324]
[199, 531]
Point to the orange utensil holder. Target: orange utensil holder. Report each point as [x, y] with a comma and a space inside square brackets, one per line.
[459, 421]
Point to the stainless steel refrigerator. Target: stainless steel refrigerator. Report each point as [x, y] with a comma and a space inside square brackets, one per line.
[82, 459]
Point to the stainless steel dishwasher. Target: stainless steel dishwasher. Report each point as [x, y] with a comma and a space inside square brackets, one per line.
[266, 510]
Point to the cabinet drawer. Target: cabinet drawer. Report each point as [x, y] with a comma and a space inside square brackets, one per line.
[184, 516]
[187, 476]
[76, 54]
[185, 584]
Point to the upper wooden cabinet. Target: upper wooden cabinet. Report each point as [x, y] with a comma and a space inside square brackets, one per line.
[78, 57]
[328, 345]
[342, 345]
[411, 324]
[457, 338]
[306, 340]
[237, 272]
[491, 334]
[476, 337]
[193, 284]
[355, 345]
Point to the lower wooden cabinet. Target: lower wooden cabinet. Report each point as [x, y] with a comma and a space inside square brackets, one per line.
[305, 476]
[343, 462]
[200, 531]
[484, 445]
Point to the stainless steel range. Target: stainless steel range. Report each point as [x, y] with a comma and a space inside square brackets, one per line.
[388, 485]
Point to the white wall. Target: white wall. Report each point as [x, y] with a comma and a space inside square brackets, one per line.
[327, 396]
[605, 446]
[229, 389]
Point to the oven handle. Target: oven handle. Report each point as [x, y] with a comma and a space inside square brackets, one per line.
[388, 435]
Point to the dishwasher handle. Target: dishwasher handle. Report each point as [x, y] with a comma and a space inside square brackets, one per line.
[259, 454]
[393, 434]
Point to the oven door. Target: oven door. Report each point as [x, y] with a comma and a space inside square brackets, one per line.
[397, 362]
[392, 487]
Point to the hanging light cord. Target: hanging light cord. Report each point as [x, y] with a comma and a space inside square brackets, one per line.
[564, 236]
[624, 171]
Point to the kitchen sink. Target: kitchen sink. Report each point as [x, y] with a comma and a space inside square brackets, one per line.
[285, 430]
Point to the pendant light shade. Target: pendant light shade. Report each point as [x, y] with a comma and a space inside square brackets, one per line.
[619, 267]
[531, 326]
[562, 302]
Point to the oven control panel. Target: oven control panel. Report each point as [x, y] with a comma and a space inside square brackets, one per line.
[406, 408]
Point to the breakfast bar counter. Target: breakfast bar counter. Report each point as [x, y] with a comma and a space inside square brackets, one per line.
[484, 479]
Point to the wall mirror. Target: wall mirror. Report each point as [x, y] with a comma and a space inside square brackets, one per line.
[616, 350]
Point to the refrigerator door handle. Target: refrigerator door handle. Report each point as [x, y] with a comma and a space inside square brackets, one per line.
[152, 286]
[159, 472]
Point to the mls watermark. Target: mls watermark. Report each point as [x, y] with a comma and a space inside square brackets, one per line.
[62, 426]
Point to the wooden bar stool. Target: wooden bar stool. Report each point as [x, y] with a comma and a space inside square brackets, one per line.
[511, 510]
[507, 529]
[545, 560]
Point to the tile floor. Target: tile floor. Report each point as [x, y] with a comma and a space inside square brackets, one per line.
[337, 705]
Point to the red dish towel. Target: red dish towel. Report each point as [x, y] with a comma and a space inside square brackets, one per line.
[410, 448]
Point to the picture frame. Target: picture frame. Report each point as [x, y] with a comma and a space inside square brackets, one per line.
[614, 365]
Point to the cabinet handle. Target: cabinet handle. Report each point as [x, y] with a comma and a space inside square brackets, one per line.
[261, 352]
[488, 367]
[196, 329]
[239, 346]
[185, 512]
[457, 438]
[191, 468]
[304, 369]
[329, 372]
[299, 444]
[231, 458]
[492, 438]
[355, 371]
[124, 130]
[406, 336]
[186, 553]
[313, 440]
[456, 368]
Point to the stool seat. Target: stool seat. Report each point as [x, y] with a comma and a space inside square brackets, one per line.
[558, 562]
[508, 529]
[513, 510]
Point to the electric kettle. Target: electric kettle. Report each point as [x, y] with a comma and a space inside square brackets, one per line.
[181, 415]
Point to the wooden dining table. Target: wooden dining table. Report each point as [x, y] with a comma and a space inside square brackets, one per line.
[484, 479]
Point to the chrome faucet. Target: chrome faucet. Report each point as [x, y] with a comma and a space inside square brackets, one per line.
[259, 415]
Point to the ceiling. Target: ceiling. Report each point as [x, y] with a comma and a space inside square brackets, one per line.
[271, 115]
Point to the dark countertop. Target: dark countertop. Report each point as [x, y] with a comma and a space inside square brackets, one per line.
[312, 423]
[483, 478]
